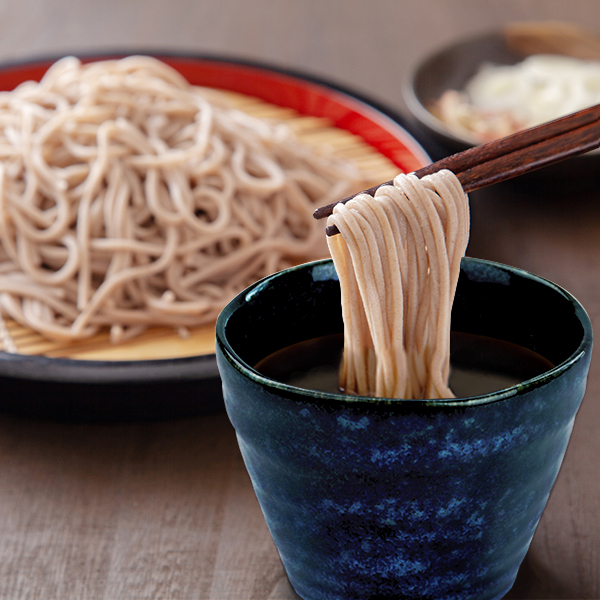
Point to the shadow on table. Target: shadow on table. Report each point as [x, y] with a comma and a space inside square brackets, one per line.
[535, 582]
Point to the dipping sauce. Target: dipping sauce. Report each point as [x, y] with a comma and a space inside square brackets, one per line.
[478, 364]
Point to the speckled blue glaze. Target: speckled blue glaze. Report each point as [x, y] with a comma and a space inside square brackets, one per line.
[373, 498]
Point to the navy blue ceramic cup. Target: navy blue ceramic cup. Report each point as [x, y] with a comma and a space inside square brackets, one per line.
[373, 498]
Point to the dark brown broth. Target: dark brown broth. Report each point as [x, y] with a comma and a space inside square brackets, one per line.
[478, 364]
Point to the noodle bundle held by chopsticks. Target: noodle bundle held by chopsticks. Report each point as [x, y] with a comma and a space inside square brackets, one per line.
[398, 261]
[130, 198]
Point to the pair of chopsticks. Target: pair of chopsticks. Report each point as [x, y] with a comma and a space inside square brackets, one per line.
[509, 157]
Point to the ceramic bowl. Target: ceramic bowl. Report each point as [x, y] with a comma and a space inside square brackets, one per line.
[375, 498]
[450, 67]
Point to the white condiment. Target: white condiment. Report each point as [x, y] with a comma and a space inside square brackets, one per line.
[501, 99]
[541, 88]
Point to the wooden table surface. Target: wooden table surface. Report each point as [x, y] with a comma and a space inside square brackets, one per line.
[165, 510]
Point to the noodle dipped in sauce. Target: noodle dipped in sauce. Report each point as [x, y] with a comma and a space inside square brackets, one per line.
[129, 199]
[478, 364]
[398, 261]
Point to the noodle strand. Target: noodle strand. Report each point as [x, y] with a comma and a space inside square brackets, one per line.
[398, 261]
[143, 200]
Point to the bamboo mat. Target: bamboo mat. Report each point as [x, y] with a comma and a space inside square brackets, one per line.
[161, 343]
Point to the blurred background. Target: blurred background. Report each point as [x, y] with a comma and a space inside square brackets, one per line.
[368, 46]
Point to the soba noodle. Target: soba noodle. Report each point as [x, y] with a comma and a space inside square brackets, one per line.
[130, 198]
[398, 261]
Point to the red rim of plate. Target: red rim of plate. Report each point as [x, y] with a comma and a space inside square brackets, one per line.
[302, 93]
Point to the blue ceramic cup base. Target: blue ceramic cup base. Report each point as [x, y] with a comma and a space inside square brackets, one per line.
[378, 498]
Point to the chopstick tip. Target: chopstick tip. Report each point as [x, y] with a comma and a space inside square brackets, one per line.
[322, 212]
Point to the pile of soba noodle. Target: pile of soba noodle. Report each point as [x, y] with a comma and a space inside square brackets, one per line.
[398, 261]
[130, 198]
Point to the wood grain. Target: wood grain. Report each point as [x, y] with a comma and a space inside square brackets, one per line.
[166, 510]
[556, 234]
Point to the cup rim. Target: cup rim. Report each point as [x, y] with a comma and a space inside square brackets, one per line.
[311, 395]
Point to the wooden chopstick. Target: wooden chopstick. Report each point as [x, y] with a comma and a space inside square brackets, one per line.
[509, 157]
